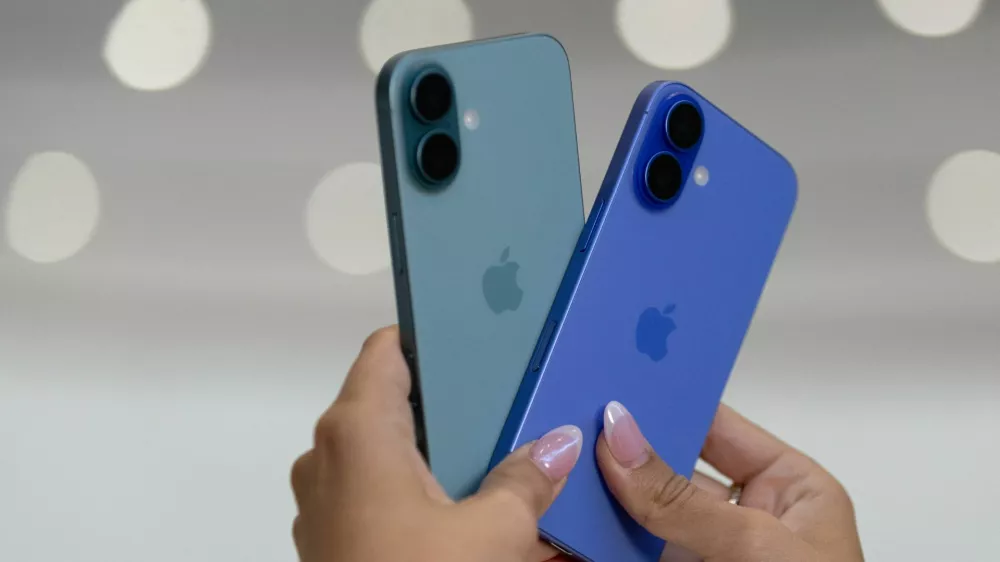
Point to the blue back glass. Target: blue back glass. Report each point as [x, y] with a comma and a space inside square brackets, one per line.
[478, 258]
[693, 271]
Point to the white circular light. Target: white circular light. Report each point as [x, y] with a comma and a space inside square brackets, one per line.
[345, 220]
[674, 34]
[963, 205]
[471, 119]
[158, 44]
[701, 176]
[52, 208]
[389, 27]
[932, 18]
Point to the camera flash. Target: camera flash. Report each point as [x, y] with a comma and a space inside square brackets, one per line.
[701, 176]
[471, 119]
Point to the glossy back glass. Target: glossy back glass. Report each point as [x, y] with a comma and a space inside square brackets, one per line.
[652, 312]
[477, 262]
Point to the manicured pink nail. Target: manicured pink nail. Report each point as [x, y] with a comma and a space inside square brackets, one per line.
[556, 453]
[626, 442]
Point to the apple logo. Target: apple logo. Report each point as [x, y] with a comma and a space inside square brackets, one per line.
[652, 331]
[500, 285]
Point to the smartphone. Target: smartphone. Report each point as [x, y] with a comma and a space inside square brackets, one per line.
[655, 303]
[484, 205]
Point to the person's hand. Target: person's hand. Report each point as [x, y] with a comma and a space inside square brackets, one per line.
[790, 510]
[365, 494]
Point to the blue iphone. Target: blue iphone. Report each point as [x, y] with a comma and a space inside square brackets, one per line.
[484, 204]
[655, 303]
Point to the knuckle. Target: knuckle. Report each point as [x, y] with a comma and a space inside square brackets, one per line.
[299, 537]
[669, 496]
[326, 429]
[519, 521]
[301, 472]
[527, 485]
[838, 491]
[514, 503]
[336, 426]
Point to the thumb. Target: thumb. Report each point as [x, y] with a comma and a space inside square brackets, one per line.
[664, 502]
[516, 493]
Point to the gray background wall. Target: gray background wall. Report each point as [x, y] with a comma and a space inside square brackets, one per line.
[181, 294]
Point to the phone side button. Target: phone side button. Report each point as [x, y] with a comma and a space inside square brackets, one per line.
[411, 363]
[562, 550]
[396, 245]
[542, 349]
[595, 217]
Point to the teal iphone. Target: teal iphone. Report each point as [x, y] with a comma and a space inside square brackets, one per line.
[484, 205]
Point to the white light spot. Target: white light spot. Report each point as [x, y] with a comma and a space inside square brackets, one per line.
[345, 220]
[963, 205]
[674, 34]
[701, 176]
[471, 119]
[158, 44]
[52, 208]
[389, 27]
[932, 18]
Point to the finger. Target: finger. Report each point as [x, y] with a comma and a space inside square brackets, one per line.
[738, 448]
[364, 443]
[665, 503]
[379, 376]
[776, 476]
[517, 491]
[378, 385]
[381, 381]
[359, 455]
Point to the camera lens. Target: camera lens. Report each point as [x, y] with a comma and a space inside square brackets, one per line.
[684, 125]
[437, 157]
[431, 96]
[664, 177]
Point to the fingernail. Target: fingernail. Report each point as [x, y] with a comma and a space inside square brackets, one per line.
[626, 442]
[556, 453]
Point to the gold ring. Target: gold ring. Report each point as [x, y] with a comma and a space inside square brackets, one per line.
[735, 494]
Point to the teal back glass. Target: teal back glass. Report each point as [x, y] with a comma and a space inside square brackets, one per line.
[478, 261]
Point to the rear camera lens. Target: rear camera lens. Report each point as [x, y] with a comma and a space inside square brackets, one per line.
[431, 96]
[684, 125]
[437, 157]
[664, 177]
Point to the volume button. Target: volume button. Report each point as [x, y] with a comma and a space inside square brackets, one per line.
[396, 245]
[542, 349]
[411, 359]
[595, 217]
